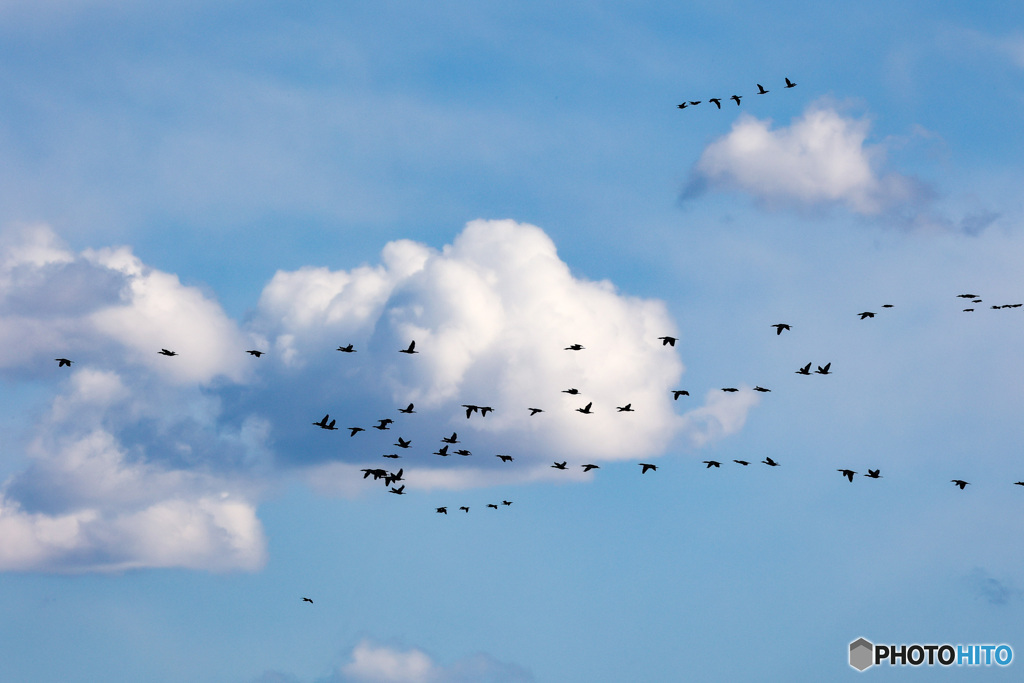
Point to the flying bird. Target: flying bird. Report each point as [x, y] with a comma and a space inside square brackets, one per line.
[347, 349]
[768, 461]
[534, 411]
[442, 510]
[443, 451]
[676, 393]
[886, 305]
[717, 101]
[805, 370]
[454, 438]
[470, 409]
[960, 482]
[737, 99]
[377, 473]
[696, 103]
[492, 505]
[354, 430]
[383, 424]
[485, 409]
[574, 347]
[874, 474]
[61, 362]
[391, 455]
[323, 422]
[742, 462]
[407, 410]
[411, 349]
[968, 310]
[779, 327]
[307, 600]
[628, 408]
[392, 477]
[463, 452]
[866, 314]
[165, 352]
[848, 474]
[711, 463]
[400, 490]
[588, 467]
[254, 352]
[465, 508]
[762, 389]
[1019, 483]
[761, 90]
[647, 466]
[823, 370]
[730, 389]
[681, 105]
[967, 296]
[506, 502]
[402, 443]
[505, 458]
[585, 409]
[790, 84]
[330, 426]
[571, 392]
[560, 465]
[668, 341]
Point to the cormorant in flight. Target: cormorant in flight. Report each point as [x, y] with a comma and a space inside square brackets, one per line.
[505, 458]
[717, 101]
[676, 393]
[805, 370]
[647, 466]
[588, 467]
[960, 482]
[560, 465]
[742, 462]
[165, 352]
[668, 341]
[823, 370]
[585, 409]
[307, 600]
[874, 474]
[402, 443]
[779, 327]
[768, 461]
[454, 438]
[712, 463]
[61, 362]
[866, 314]
[254, 352]
[848, 474]
[411, 349]
[628, 408]
[407, 410]
[347, 349]
[790, 84]
[534, 411]
[761, 90]
[354, 430]
[575, 347]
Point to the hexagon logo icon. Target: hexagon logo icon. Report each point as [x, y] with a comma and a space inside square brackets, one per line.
[862, 654]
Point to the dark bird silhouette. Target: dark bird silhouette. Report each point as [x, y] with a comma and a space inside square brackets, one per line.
[717, 101]
[805, 370]
[737, 99]
[968, 296]
[968, 310]
[254, 352]
[383, 424]
[560, 465]
[681, 105]
[647, 466]
[874, 474]
[779, 327]
[960, 482]
[492, 505]
[742, 462]
[443, 451]
[61, 362]
[790, 84]
[588, 467]
[505, 458]
[768, 461]
[411, 349]
[761, 90]
[470, 409]
[463, 452]
[534, 411]
[393, 477]
[331, 426]
[848, 474]
[823, 370]
[506, 502]
[464, 508]
[347, 349]
[400, 490]
[454, 438]
[676, 393]
[391, 455]
[585, 409]
[442, 510]
[377, 473]
[165, 352]
[485, 409]
[762, 389]
[307, 600]
[730, 389]
[1019, 483]
[402, 443]
[323, 422]
[575, 347]
[975, 301]
[668, 341]
[407, 410]
[354, 430]
[572, 392]
[866, 314]
[886, 305]
[711, 463]
[628, 408]
[696, 103]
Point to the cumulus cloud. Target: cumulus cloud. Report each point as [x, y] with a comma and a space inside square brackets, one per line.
[372, 663]
[821, 158]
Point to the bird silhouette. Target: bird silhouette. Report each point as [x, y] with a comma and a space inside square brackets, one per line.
[790, 84]
[968, 296]
[676, 393]
[506, 502]
[560, 465]
[383, 424]
[730, 389]
[968, 310]
[407, 410]
[681, 105]
[711, 463]
[588, 467]
[323, 422]
[647, 466]
[761, 90]
[463, 452]
[485, 409]
[331, 426]
[768, 461]
[254, 352]
[411, 349]
[347, 349]
[866, 314]
[571, 392]
[492, 505]
[505, 458]
[391, 455]
[534, 411]
[696, 103]
[805, 370]
[454, 438]
[737, 99]
[377, 473]
[307, 600]
[848, 474]
[585, 409]
[464, 508]
[779, 327]
[717, 101]
[960, 482]
[762, 389]
[402, 443]
[400, 490]
[355, 430]
[1019, 483]
[575, 347]
[874, 474]
[668, 341]
[61, 362]
[443, 451]
[823, 370]
[628, 408]
[393, 477]
[470, 409]
[886, 305]
[442, 510]
[742, 462]
[165, 352]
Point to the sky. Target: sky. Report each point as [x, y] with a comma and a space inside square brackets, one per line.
[500, 182]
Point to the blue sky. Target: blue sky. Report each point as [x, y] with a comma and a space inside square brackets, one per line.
[498, 183]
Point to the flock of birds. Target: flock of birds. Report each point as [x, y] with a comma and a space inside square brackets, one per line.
[735, 98]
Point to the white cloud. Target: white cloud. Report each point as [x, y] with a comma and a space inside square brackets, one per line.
[371, 663]
[821, 158]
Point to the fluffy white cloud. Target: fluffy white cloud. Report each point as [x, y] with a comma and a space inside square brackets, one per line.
[371, 663]
[822, 157]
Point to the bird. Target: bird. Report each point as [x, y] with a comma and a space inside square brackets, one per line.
[779, 327]
[441, 510]
[768, 461]
[968, 310]
[505, 458]
[737, 98]
[647, 466]
[485, 409]
[967, 296]
[463, 452]
[165, 352]
[742, 462]
[254, 352]
[588, 467]
[354, 430]
[668, 341]
[696, 103]
[585, 409]
[492, 505]
[676, 393]
[377, 473]
[575, 347]
[960, 482]
[443, 451]
[470, 409]
[391, 455]
[790, 84]
[411, 349]
[506, 502]
[323, 422]
[1019, 483]
[805, 370]
[454, 438]
[61, 362]
[392, 477]
[628, 408]
[730, 389]
[571, 392]
[402, 443]
[534, 411]
[761, 90]
[848, 474]
[347, 349]
[400, 490]
[560, 465]
[681, 106]
[307, 600]
[762, 389]
[886, 305]
[711, 463]
[866, 314]
[823, 370]
[717, 101]
[383, 424]
[874, 474]
[465, 508]
[407, 410]
[331, 426]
